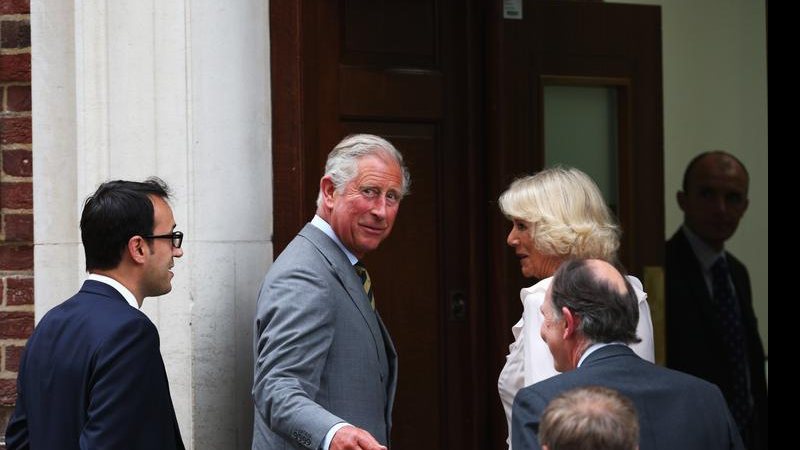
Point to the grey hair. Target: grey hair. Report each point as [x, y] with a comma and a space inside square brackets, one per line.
[342, 164]
[607, 314]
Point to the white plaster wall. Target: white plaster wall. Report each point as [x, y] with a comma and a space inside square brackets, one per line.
[715, 97]
[128, 89]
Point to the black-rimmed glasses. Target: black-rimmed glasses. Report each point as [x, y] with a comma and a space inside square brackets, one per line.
[176, 236]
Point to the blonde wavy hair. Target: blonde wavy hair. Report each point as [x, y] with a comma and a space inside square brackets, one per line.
[567, 212]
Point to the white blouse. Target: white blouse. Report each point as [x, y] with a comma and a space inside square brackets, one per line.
[529, 360]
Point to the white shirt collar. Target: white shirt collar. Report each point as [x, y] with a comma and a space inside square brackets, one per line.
[323, 226]
[127, 294]
[594, 347]
[705, 254]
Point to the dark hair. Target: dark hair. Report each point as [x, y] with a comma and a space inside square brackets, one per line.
[116, 212]
[606, 314]
[697, 159]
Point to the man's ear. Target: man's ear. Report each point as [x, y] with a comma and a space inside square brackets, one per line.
[137, 249]
[570, 322]
[681, 197]
[327, 188]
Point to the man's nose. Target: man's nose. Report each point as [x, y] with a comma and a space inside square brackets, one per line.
[379, 206]
[719, 204]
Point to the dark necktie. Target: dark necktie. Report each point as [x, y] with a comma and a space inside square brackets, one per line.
[730, 317]
[365, 282]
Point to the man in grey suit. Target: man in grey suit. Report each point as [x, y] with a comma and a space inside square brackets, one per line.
[325, 366]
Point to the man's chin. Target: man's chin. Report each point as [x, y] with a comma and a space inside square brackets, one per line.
[371, 243]
[720, 235]
[165, 290]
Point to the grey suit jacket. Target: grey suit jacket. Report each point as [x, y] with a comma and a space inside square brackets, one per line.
[322, 355]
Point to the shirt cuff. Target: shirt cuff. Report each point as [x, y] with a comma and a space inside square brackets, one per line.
[326, 444]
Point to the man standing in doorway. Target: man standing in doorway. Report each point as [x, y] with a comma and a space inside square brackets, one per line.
[711, 327]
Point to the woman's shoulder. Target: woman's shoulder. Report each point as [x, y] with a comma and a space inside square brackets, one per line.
[541, 286]
[637, 287]
[535, 292]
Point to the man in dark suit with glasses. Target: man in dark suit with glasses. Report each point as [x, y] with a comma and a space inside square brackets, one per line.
[92, 375]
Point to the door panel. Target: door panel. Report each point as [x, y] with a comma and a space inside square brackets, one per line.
[405, 274]
[399, 93]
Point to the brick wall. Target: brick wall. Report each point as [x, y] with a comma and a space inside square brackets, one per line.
[16, 197]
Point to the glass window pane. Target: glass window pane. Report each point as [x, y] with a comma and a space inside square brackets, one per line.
[580, 130]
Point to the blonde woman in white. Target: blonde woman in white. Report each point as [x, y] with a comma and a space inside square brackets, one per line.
[556, 214]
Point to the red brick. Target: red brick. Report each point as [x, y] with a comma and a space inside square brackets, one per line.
[16, 324]
[16, 257]
[19, 291]
[16, 195]
[18, 163]
[18, 227]
[15, 34]
[15, 67]
[15, 130]
[13, 356]
[18, 98]
[8, 392]
[15, 6]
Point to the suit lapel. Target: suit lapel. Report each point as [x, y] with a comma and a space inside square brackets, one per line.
[350, 281]
[738, 275]
[389, 344]
[692, 274]
[740, 284]
[392, 362]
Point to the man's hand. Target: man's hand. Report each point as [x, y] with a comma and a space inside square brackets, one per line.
[352, 438]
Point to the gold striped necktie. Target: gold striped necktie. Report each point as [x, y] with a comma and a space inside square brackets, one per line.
[365, 282]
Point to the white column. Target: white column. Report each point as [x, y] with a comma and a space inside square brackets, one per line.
[232, 214]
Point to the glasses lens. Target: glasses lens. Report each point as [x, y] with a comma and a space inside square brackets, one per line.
[177, 239]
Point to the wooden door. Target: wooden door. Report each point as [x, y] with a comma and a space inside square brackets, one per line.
[405, 70]
[579, 44]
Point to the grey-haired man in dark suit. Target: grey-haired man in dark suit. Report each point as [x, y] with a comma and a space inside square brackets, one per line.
[590, 312]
